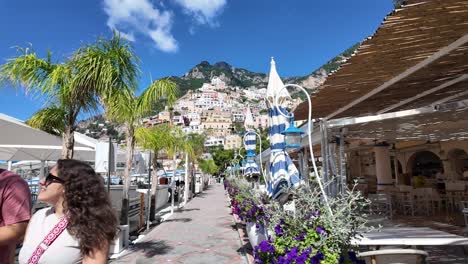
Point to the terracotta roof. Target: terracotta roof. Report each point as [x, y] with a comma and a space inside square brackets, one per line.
[417, 48]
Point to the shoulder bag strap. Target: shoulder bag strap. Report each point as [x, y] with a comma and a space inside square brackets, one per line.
[48, 240]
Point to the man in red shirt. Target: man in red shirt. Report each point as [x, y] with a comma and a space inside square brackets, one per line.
[15, 212]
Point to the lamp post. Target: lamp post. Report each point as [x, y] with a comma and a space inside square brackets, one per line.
[293, 136]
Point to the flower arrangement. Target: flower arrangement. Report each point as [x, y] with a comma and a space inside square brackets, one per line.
[247, 204]
[310, 234]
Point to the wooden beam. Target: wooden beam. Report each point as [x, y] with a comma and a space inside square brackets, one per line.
[454, 45]
[427, 92]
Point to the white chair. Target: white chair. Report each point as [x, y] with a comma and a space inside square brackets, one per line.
[381, 204]
[464, 208]
[394, 256]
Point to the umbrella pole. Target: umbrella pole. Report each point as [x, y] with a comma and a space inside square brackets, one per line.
[342, 163]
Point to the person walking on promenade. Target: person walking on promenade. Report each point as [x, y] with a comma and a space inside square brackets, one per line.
[80, 224]
[15, 212]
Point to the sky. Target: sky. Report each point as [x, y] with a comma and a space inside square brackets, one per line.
[172, 36]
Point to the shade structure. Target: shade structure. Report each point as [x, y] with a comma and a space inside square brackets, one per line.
[283, 174]
[19, 141]
[251, 167]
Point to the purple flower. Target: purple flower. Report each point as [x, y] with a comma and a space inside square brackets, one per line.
[316, 213]
[282, 260]
[317, 258]
[352, 256]
[292, 255]
[300, 237]
[266, 247]
[321, 231]
[278, 230]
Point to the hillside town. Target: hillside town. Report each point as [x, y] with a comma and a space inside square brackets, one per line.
[218, 111]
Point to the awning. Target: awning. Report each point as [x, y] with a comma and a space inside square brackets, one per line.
[19, 141]
[417, 57]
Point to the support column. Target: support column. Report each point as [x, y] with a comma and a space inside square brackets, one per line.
[324, 149]
[395, 165]
[10, 163]
[41, 172]
[383, 170]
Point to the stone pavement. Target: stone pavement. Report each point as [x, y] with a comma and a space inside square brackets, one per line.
[201, 232]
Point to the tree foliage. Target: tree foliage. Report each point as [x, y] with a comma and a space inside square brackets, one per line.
[78, 85]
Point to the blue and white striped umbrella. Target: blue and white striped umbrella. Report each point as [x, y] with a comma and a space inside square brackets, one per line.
[251, 167]
[283, 173]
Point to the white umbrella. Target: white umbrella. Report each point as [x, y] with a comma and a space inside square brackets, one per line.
[282, 171]
[249, 121]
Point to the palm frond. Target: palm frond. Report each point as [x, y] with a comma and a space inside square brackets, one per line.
[105, 66]
[26, 70]
[49, 119]
[121, 105]
[162, 89]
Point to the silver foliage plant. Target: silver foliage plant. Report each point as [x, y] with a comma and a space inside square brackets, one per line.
[348, 221]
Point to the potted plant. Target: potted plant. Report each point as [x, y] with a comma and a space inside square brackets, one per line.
[311, 234]
[251, 208]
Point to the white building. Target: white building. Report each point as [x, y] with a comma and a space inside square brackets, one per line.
[218, 83]
[214, 141]
[232, 142]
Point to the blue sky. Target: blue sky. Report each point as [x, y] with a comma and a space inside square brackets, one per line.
[172, 36]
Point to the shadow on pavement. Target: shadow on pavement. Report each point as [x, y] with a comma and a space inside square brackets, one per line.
[187, 210]
[184, 220]
[151, 248]
[202, 194]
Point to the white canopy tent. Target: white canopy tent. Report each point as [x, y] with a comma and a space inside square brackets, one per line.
[19, 141]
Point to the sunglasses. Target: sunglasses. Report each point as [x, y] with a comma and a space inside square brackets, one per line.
[52, 178]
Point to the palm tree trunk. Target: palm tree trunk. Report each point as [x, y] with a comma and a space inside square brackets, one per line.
[67, 143]
[154, 187]
[173, 186]
[186, 185]
[126, 180]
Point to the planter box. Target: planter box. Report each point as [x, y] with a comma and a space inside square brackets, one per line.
[121, 241]
[256, 235]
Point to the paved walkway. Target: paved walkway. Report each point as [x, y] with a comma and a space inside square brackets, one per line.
[201, 232]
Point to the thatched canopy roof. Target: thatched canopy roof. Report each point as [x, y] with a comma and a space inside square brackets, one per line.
[417, 57]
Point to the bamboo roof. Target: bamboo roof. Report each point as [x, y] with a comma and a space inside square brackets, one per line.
[418, 54]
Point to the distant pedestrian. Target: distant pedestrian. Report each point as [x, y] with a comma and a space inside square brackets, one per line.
[15, 212]
[80, 221]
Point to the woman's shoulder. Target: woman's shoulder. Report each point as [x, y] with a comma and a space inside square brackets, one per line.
[43, 212]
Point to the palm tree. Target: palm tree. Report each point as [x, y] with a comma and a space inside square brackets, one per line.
[181, 145]
[155, 139]
[78, 85]
[128, 109]
[197, 142]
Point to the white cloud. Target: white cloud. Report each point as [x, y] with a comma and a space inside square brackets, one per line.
[203, 11]
[130, 16]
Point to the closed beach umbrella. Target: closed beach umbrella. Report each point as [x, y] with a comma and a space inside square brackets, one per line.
[283, 173]
[251, 167]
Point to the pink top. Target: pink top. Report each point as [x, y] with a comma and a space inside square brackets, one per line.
[15, 205]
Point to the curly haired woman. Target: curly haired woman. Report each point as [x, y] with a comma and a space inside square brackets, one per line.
[80, 224]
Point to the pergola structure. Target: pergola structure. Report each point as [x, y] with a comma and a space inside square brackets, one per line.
[407, 82]
[417, 57]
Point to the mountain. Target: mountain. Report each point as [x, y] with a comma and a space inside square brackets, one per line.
[203, 72]
[232, 76]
